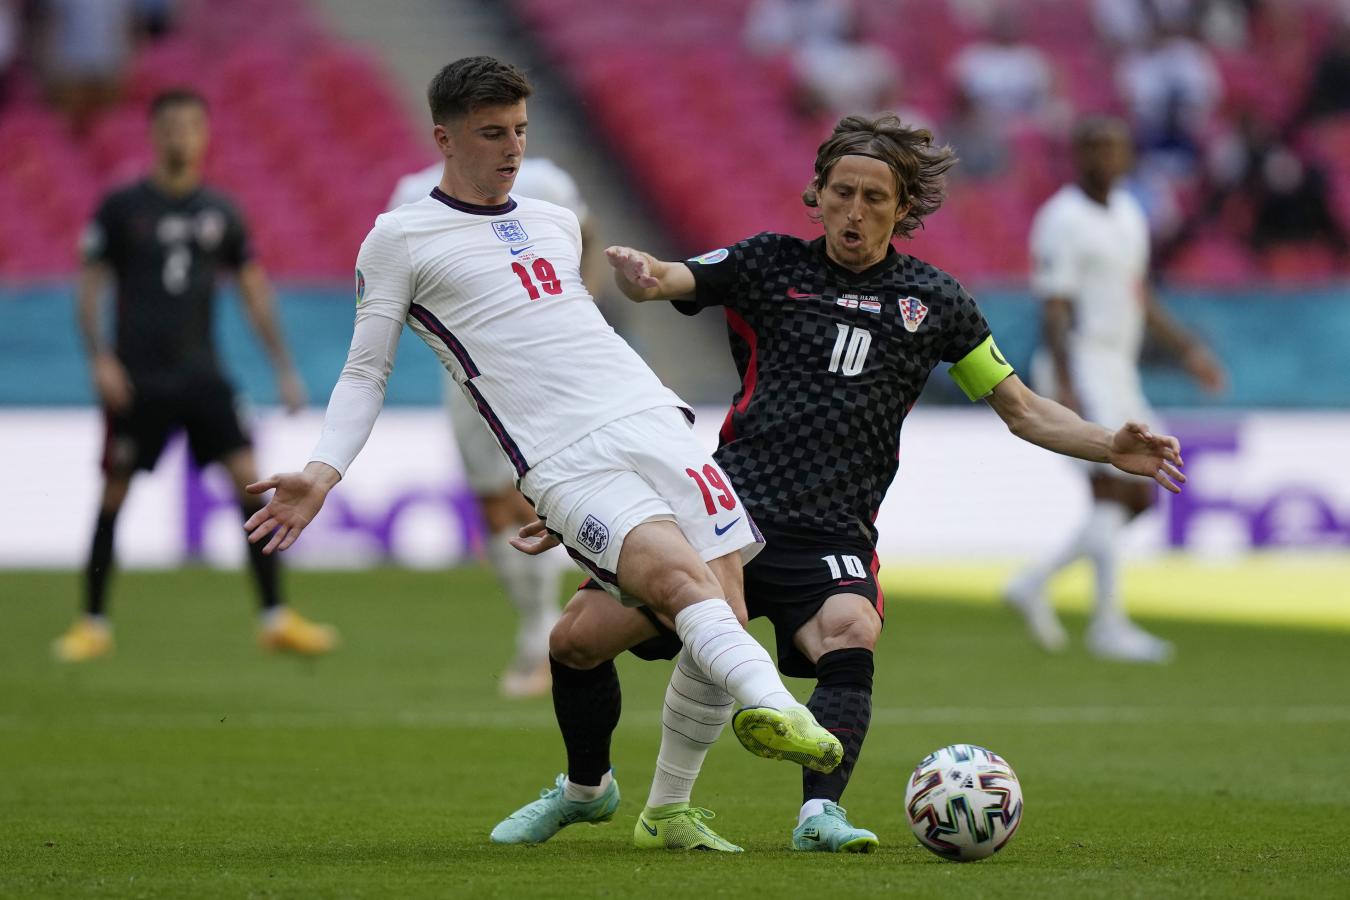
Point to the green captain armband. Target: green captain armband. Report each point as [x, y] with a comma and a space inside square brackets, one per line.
[980, 370]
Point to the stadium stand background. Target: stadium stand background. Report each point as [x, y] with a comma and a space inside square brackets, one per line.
[310, 130]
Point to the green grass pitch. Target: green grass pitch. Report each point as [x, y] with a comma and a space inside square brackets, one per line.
[191, 765]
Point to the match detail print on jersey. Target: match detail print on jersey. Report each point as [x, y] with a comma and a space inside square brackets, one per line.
[980, 370]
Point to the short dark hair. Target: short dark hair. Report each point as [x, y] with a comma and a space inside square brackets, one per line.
[1097, 126]
[473, 82]
[919, 166]
[176, 96]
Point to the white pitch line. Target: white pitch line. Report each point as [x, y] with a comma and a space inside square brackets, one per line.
[513, 720]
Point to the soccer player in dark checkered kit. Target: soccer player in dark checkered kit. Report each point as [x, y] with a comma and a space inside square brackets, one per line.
[163, 240]
[834, 339]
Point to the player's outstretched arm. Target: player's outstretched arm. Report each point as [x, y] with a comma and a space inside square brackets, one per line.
[643, 277]
[297, 499]
[1190, 351]
[260, 306]
[1041, 421]
[111, 381]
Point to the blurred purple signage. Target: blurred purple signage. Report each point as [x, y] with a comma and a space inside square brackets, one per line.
[1292, 514]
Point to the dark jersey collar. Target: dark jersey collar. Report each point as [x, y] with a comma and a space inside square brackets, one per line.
[148, 185]
[848, 275]
[473, 208]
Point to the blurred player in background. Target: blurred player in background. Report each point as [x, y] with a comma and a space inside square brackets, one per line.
[834, 340]
[162, 242]
[531, 585]
[1090, 251]
[492, 284]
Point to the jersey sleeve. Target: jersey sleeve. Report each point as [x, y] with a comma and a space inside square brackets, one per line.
[359, 393]
[384, 276]
[721, 276]
[1053, 270]
[383, 297]
[977, 364]
[237, 248]
[98, 241]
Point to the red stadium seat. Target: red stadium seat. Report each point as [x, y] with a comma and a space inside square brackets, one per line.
[280, 142]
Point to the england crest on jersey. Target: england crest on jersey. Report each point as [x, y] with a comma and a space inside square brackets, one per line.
[510, 231]
[913, 312]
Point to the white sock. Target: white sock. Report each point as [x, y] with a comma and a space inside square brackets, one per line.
[696, 710]
[532, 588]
[732, 659]
[1033, 579]
[587, 792]
[810, 808]
[1104, 526]
[271, 617]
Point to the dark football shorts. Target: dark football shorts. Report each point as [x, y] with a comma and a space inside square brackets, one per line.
[202, 405]
[787, 583]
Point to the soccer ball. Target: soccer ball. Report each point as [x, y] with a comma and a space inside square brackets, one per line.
[963, 802]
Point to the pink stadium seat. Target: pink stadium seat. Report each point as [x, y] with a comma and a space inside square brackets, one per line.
[294, 113]
[688, 107]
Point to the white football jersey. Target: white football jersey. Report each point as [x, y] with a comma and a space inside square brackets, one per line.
[496, 292]
[1096, 257]
[540, 179]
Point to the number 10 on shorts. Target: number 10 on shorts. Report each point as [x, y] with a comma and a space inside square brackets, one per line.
[851, 564]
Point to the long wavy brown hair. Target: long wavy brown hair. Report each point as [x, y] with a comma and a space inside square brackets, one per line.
[919, 165]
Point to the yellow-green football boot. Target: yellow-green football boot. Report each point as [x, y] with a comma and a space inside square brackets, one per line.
[678, 826]
[789, 734]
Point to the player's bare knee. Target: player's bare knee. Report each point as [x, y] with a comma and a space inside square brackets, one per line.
[853, 632]
[671, 590]
[116, 486]
[498, 512]
[567, 644]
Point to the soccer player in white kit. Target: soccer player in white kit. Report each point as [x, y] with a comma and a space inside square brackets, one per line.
[530, 584]
[602, 449]
[1090, 256]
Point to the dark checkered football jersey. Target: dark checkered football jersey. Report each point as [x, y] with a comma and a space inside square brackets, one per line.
[830, 362]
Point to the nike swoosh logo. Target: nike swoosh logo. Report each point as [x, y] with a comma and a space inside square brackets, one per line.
[798, 295]
[847, 583]
[516, 251]
[650, 829]
[723, 529]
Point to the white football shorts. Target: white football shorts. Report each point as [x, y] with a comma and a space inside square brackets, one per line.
[641, 468]
[485, 466]
[1109, 389]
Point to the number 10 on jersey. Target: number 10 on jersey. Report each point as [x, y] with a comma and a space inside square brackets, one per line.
[850, 350]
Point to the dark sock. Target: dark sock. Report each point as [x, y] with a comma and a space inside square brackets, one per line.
[841, 703]
[587, 703]
[265, 568]
[100, 564]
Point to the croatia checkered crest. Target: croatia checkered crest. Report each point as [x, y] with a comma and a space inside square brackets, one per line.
[963, 802]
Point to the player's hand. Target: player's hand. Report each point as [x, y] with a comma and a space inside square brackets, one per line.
[534, 539]
[299, 497]
[1137, 450]
[292, 391]
[1206, 369]
[633, 265]
[112, 383]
